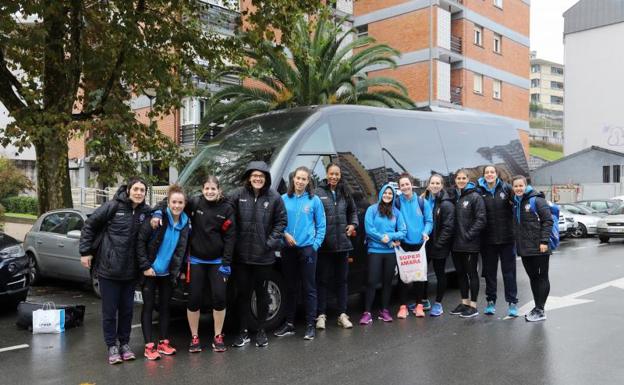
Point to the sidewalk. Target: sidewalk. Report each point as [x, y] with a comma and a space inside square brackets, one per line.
[17, 230]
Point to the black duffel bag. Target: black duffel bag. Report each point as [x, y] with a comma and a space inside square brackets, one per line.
[74, 314]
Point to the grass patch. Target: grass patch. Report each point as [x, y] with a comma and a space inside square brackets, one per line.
[545, 153]
[19, 215]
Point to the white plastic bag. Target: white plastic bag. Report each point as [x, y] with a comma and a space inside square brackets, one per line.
[412, 264]
[49, 319]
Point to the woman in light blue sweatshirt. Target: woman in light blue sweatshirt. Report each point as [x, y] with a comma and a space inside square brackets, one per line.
[385, 228]
[304, 235]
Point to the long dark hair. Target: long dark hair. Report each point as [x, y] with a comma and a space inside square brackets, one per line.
[291, 184]
[385, 209]
[341, 187]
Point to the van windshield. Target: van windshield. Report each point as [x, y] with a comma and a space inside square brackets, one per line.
[228, 154]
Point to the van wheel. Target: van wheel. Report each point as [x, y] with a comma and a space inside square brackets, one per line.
[603, 239]
[95, 283]
[277, 303]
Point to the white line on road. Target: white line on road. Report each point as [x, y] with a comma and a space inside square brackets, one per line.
[16, 347]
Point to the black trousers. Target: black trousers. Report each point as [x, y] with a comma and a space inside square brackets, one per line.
[200, 275]
[117, 306]
[490, 255]
[468, 276]
[299, 266]
[439, 267]
[249, 279]
[338, 264]
[380, 269]
[537, 269]
[404, 288]
[165, 290]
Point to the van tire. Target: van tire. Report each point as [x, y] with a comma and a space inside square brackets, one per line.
[277, 304]
[603, 239]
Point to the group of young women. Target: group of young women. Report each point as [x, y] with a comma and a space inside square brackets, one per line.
[205, 239]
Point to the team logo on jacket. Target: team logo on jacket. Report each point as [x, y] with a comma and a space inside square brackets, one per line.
[502, 195]
[527, 207]
[142, 218]
[266, 204]
[306, 209]
[465, 204]
[199, 212]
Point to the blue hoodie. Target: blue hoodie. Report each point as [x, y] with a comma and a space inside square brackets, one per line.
[416, 221]
[518, 202]
[169, 244]
[485, 186]
[377, 226]
[306, 219]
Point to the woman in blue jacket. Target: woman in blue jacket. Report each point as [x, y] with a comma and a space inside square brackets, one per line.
[385, 229]
[304, 235]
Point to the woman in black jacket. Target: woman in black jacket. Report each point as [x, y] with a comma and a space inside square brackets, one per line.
[498, 240]
[533, 224]
[470, 220]
[342, 220]
[159, 255]
[441, 238]
[108, 246]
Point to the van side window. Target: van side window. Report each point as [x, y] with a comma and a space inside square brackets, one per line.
[316, 163]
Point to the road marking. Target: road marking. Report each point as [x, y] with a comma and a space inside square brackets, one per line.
[577, 248]
[16, 347]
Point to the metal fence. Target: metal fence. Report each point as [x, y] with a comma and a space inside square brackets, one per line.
[92, 197]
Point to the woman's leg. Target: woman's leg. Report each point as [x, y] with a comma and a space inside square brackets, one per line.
[110, 292]
[472, 263]
[389, 265]
[290, 267]
[165, 291]
[508, 266]
[218, 289]
[323, 270]
[489, 256]
[341, 274]
[307, 273]
[149, 294]
[375, 263]
[196, 288]
[532, 270]
[462, 275]
[439, 266]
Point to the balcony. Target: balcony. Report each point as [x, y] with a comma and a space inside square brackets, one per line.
[453, 6]
[219, 18]
[456, 44]
[456, 95]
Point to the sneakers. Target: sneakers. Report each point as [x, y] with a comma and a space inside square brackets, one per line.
[165, 348]
[195, 346]
[320, 321]
[344, 321]
[402, 314]
[469, 312]
[535, 315]
[287, 329]
[385, 316]
[513, 310]
[366, 318]
[241, 339]
[310, 332]
[419, 312]
[126, 353]
[217, 344]
[426, 305]
[436, 310]
[261, 339]
[459, 309]
[113, 355]
[150, 352]
[490, 309]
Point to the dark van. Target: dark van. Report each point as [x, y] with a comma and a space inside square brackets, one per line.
[372, 145]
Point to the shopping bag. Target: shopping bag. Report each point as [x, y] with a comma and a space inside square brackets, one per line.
[74, 314]
[48, 320]
[412, 264]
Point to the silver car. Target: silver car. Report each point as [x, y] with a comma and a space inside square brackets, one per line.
[586, 218]
[611, 226]
[52, 247]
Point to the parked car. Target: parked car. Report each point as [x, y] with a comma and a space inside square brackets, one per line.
[586, 218]
[611, 226]
[601, 205]
[14, 277]
[52, 247]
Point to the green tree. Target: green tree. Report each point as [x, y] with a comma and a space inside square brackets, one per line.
[69, 68]
[13, 181]
[325, 66]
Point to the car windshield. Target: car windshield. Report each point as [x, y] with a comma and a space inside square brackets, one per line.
[585, 209]
[227, 155]
[618, 210]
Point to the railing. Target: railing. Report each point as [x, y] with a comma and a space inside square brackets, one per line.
[456, 44]
[93, 198]
[456, 95]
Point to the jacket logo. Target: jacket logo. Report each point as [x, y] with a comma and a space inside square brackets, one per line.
[120, 214]
[502, 195]
[199, 212]
[324, 198]
[465, 204]
[266, 204]
[527, 207]
[306, 209]
[220, 216]
[242, 200]
[142, 218]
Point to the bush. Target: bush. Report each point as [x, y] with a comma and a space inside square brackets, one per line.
[1, 217]
[22, 205]
[13, 180]
[550, 146]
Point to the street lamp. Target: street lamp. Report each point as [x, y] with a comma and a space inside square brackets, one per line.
[151, 95]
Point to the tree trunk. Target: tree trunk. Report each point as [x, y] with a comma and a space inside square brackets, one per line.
[53, 184]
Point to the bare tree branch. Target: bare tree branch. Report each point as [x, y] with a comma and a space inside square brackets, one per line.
[9, 85]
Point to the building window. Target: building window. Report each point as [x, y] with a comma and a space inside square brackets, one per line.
[556, 99]
[535, 83]
[498, 43]
[477, 83]
[498, 3]
[497, 86]
[535, 68]
[535, 98]
[556, 70]
[605, 174]
[616, 173]
[556, 85]
[478, 35]
[362, 30]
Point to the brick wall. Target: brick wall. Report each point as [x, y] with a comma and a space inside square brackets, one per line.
[407, 32]
[514, 15]
[362, 7]
[413, 76]
[514, 101]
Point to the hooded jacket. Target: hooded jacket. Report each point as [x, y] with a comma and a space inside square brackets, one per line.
[441, 238]
[530, 228]
[417, 220]
[260, 220]
[120, 224]
[470, 219]
[306, 219]
[378, 225]
[498, 207]
[340, 211]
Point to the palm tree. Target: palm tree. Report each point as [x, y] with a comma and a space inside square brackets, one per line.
[323, 67]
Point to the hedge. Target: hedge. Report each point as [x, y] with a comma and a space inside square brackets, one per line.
[21, 204]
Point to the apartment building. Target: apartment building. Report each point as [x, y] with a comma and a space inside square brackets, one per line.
[546, 112]
[593, 53]
[465, 54]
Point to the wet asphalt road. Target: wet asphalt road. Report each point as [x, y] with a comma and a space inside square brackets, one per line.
[580, 343]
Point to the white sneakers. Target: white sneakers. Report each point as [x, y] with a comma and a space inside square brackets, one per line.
[343, 320]
[320, 321]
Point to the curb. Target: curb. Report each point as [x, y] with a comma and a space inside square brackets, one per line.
[25, 221]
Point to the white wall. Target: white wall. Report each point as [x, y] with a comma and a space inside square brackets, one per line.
[594, 89]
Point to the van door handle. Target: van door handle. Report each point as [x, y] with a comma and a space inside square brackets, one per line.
[60, 245]
[39, 242]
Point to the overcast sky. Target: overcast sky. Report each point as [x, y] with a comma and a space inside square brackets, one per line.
[547, 28]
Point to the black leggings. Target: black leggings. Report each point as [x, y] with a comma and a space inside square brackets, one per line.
[537, 269]
[218, 287]
[419, 287]
[165, 290]
[380, 269]
[439, 267]
[467, 273]
[250, 278]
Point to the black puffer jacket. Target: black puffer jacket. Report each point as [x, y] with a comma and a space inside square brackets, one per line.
[498, 206]
[470, 220]
[148, 244]
[530, 228]
[120, 223]
[441, 237]
[339, 213]
[260, 221]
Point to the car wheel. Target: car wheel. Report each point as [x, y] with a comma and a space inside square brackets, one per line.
[580, 231]
[277, 302]
[95, 283]
[33, 268]
[603, 239]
